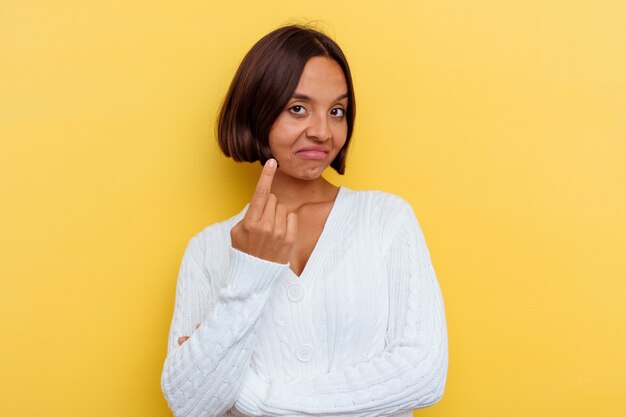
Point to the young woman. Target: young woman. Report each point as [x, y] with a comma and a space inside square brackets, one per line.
[314, 299]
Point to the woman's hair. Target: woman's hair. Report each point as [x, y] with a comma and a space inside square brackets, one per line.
[263, 85]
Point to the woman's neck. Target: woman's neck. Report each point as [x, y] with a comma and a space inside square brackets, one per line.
[293, 193]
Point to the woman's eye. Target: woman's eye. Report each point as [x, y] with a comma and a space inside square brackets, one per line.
[338, 112]
[297, 109]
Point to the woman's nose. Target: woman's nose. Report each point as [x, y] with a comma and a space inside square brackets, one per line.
[319, 128]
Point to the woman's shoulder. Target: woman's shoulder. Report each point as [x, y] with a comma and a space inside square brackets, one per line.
[382, 211]
[215, 237]
[219, 228]
[382, 203]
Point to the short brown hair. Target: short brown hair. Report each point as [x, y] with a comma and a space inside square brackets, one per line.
[263, 85]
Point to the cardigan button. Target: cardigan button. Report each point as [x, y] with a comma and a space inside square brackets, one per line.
[295, 293]
[304, 353]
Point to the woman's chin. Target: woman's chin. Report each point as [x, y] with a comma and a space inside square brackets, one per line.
[309, 177]
[307, 174]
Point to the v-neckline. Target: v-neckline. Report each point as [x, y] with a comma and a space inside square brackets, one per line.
[321, 240]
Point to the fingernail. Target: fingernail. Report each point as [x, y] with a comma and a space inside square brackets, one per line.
[271, 163]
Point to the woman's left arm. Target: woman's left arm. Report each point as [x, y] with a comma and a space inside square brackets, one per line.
[409, 373]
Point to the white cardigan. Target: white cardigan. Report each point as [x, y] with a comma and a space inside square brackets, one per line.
[362, 331]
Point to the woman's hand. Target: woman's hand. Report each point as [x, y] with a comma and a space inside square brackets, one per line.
[183, 339]
[266, 231]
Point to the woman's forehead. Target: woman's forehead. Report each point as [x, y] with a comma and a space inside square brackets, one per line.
[322, 78]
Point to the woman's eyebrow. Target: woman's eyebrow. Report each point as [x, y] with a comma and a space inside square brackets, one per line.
[305, 97]
[301, 96]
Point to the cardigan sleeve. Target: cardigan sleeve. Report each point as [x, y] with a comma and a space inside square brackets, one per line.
[203, 376]
[409, 373]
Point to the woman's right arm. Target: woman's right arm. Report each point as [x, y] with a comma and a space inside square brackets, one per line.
[203, 376]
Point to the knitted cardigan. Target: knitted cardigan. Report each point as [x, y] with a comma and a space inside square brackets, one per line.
[361, 332]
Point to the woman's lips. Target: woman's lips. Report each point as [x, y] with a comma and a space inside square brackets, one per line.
[316, 152]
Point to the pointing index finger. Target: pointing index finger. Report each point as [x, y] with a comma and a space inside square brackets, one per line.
[262, 191]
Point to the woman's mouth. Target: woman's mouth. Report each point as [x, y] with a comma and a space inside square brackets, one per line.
[312, 152]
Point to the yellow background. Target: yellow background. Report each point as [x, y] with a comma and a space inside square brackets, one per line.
[502, 122]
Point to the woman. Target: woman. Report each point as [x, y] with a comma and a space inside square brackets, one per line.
[314, 299]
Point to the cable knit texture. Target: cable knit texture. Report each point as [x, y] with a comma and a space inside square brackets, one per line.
[361, 332]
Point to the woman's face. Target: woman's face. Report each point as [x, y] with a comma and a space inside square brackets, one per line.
[311, 130]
